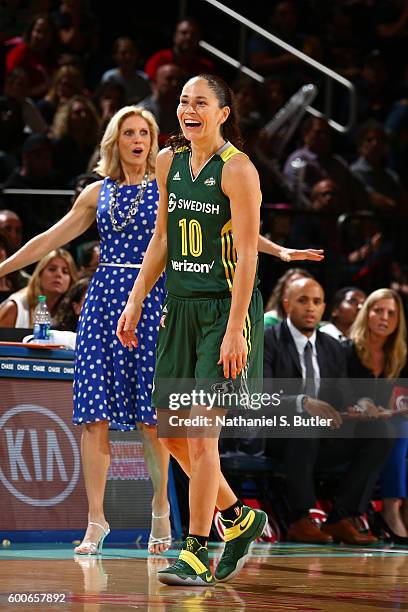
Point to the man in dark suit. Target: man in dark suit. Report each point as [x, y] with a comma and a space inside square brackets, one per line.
[295, 349]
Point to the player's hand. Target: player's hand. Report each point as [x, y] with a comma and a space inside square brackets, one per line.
[127, 324]
[233, 353]
[286, 254]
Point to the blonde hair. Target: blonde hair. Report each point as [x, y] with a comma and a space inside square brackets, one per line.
[109, 163]
[61, 128]
[33, 289]
[67, 70]
[395, 347]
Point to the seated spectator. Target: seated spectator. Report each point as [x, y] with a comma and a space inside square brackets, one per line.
[52, 277]
[76, 131]
[185, 52]
[345, 306]
[10, 224]
[16, 88]
[320, 230]
[248, 99]
[36, 54]
[367, 254]
[67, 82]
[295, 349]
[37, 169]
[135, 82]
[274, 310]
[88, 258]
[108, 99]
[12, 282]
[164, 100]
[377, 349]
[373, 88]
[69, 309]
[321, 163]
[76, 26]
[383, 185]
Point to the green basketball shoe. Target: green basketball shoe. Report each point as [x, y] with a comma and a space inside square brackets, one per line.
[238, 536]
[192, 568]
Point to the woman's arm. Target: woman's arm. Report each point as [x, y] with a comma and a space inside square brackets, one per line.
[286, 254]
[73, 224]
[240, 183]
[154, 260]
[8, 314]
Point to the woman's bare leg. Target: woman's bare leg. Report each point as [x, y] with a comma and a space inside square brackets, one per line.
[157, 461]
[95, 452]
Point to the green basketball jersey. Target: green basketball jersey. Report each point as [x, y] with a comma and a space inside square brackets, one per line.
[201, 257]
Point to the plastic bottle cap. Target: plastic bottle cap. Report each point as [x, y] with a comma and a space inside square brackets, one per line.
[41, 298]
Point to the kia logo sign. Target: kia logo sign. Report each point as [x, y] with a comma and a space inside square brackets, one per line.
[42, 455]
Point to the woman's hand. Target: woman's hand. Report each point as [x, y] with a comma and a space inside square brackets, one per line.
[127, 324]
[300, 254]
[233, 353]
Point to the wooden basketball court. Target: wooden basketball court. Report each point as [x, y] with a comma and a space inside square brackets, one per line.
[277, 577]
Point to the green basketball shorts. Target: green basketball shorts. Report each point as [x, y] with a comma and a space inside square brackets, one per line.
[188, 347]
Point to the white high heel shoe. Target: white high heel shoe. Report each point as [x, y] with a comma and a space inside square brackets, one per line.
[93, 548]
[164, 540]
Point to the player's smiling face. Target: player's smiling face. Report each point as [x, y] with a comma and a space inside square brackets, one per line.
[199, 112]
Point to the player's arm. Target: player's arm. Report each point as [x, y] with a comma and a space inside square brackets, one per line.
[73, 224]
[154, 260]
[287, 254]
[240, 183]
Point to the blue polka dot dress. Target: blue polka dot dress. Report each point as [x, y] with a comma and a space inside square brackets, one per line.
[111, 382]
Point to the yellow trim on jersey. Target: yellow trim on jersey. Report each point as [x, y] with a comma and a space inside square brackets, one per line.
[247, 332]
[230, 152]
[182, 148]
[228, 253]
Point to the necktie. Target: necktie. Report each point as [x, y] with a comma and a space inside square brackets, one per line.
[310, 387]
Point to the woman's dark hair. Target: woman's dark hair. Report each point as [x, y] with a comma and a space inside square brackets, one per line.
[65, 318]
[107, 86]
[16, 279]
[85, 253]
[230, 128]
[52, 27]
[337, 299]
[275, 299]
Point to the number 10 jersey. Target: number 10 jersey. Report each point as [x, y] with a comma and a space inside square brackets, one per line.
[201, 257]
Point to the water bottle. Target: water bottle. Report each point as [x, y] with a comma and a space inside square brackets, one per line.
[42, 322]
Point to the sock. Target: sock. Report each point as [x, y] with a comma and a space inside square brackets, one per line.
[202, 540]
[233, 512]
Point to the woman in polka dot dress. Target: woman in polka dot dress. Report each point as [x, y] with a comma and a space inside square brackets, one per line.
[112, 386]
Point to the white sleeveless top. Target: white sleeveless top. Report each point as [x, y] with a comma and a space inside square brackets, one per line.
[23, 311]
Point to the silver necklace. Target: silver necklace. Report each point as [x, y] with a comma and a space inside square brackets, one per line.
[119, 226]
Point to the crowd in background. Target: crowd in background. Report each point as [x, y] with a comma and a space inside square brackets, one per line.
[66, 70]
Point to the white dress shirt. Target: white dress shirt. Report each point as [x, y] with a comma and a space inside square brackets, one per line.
[300, 341]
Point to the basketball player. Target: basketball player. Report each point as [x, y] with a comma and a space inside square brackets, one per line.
[212, 326]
